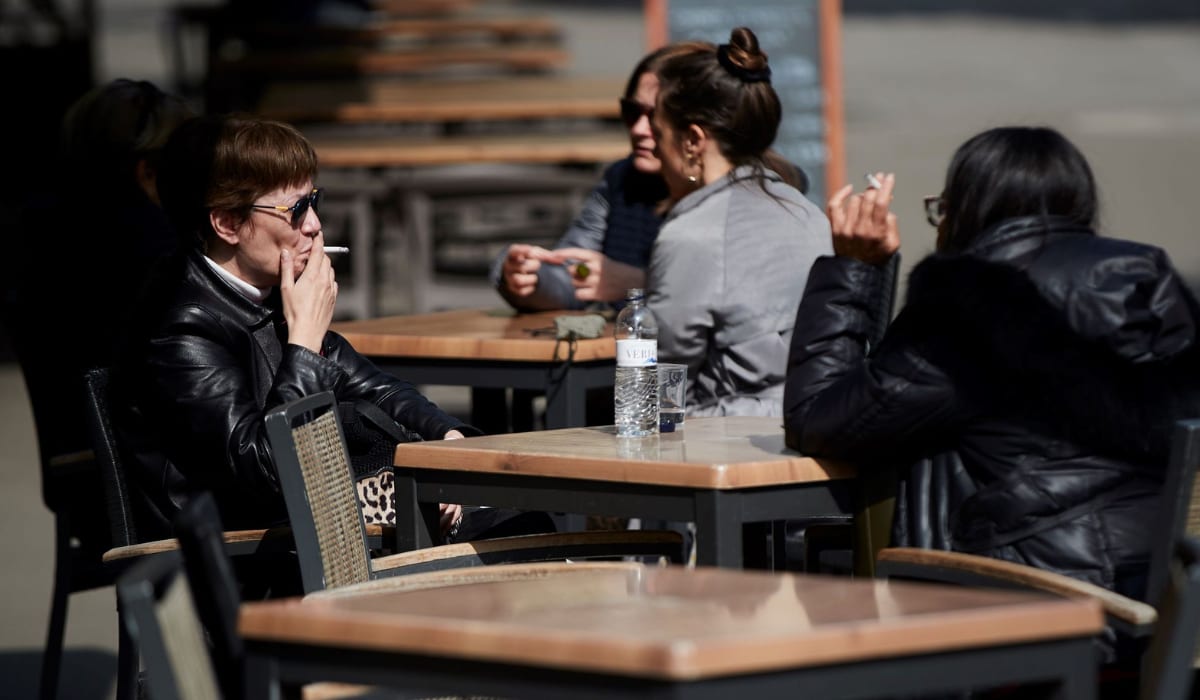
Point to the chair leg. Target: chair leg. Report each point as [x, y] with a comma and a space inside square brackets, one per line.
[128, 660]
[52, 655]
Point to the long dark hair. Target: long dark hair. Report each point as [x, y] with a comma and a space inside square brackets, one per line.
[727, 91]
[227, 162]
[1015, 171]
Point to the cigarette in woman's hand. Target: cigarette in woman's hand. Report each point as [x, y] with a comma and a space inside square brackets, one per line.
[336, 250]
[873, 182]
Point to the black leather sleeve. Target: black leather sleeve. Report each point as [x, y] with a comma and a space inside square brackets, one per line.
[840, 403]
[361, 379]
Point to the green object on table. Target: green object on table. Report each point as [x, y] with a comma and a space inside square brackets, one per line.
[578, 326]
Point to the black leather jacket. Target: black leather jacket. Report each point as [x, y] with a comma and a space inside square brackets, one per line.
[191, 394]
[1041, 370]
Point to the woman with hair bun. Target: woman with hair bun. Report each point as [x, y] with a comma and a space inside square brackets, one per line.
[730, 262]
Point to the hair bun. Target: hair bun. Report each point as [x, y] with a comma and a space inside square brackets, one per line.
[742, 57]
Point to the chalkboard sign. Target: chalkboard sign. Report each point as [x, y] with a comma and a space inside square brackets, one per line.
[790, 32]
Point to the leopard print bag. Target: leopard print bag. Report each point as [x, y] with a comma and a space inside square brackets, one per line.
[371, 439]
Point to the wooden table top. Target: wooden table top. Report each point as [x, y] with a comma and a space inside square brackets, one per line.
[410, 8]
[349, 102]
[378, 61]
[733, 452]
[413, 29]
[407, 152]
[668, 622]
[471, 334]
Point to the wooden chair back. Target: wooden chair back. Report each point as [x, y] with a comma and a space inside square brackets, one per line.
[315, 475]
[158, 610]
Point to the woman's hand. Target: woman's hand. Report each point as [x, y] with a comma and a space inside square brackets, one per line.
[308, 298]
[520, 268]
[597, 277]
[453, 435]
[450, 515]
[863, 226]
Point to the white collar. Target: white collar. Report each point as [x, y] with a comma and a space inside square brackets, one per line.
[255, 294]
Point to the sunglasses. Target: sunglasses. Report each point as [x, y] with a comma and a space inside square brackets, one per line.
[935, 210]
[298, 210]
[632, 111]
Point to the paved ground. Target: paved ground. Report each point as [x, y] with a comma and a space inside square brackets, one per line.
[915, 89]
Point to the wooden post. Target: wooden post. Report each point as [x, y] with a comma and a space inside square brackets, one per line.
[657, 31]
[831, 81]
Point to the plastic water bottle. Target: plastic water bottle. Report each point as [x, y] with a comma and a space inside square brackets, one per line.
[636, 390]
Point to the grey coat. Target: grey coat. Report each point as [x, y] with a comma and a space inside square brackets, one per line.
[725, 278]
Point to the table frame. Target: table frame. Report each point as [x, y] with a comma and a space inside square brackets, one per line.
[1070, 663]
[720, 515]
[565, 385]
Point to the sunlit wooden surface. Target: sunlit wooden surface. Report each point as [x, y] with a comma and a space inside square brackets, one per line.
[720, 453]
[367, 61]
[419, 29]
[671, 623]
[471, 334]
[349, 101]
[409, 152]
[416, 8]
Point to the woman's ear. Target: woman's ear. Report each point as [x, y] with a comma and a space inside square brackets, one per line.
[226, 225]
[695, 139]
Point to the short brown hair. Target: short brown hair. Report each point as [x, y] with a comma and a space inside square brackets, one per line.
[228, 162]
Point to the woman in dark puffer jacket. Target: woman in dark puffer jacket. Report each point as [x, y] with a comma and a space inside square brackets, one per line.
[1043, 363]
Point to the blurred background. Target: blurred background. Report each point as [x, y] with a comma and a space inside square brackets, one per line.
[1118, 77]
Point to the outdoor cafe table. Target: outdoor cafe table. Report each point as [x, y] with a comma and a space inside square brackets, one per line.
[719, 473]
[490, 349]
[620, 630]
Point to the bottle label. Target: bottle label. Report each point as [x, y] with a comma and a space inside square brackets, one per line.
[634, 352]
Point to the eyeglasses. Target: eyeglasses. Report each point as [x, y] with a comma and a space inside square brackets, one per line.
[935, 210]
[300, 208]
[632, 111]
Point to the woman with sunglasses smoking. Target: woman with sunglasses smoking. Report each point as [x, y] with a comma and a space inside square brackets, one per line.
[237, 323]
[1037, 367]
[607, 247]
[728, 266]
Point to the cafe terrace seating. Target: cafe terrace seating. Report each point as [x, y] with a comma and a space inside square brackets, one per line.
[170, 615]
